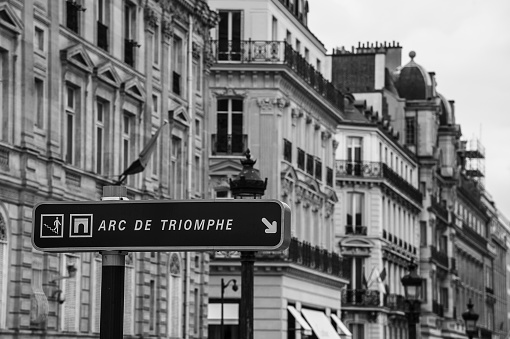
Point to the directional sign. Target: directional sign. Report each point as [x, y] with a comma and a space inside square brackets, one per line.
[161, 225]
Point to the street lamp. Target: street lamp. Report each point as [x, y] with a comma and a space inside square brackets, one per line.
[412, 286]
[247, 185]
[223, 287]
[470, 318]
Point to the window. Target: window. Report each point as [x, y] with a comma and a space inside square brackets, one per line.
[287, 150]
[155, 45]
[354, 270]
[197, 76]
[423, 233]
[102, 116]
[4, 267]
[229, 35]
[229, 124]
[176, 179]
[318, 65]
[152, 306]
[198, 126]
[177, 66]
[354, 156]
[103, 16]
[130, 34]
[39, 102]
[39, 39]
[354, 212]
[307, 54]
[298, 45]
[410, 131]
[274, 29]
[154, 157]
[289, 38]
[197, 183]
[73, 9]
[127, 129]
[72, 124]
[357, 330]
[155, 105]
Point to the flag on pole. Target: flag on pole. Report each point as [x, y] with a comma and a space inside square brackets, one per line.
[382, 276]
[143, 159]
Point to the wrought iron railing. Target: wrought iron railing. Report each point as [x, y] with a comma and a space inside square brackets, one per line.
[395, 302]
[439, 207]
[355, 230]
[437, 308]
[438, 256]
[376, 169]
[276, 52]
[303, 253]
[360, 297]
[229, 144]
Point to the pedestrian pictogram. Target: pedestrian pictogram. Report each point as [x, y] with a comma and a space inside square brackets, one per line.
[53, 225]
[81, 225]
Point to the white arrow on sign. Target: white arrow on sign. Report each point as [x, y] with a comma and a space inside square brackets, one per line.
[271, 227]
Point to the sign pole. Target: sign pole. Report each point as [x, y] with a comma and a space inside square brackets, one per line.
[112, 280]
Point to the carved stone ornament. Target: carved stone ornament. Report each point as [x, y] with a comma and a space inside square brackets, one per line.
[230, 92]
[335, 144]
[195, 50]
[175, 265]
[265, 104]
[325, 135]
[151, 17]
[282, 102]
[167, 28]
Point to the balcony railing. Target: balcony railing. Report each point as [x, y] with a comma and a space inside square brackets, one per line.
[437, 308]
[439, 257]
[439, 208]
[395, 302]
[355, 230]
[376, 170]
[276, 52]
[360, 298]
[229, 144]
[305, 254]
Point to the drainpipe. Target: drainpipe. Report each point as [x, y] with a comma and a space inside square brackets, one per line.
[190, 167]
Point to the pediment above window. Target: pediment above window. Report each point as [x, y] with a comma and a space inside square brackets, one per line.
[108, 74]
[78, 57]
[225, 167]
[181, 115]
[134, 88]
[9, 20]
[355, 247]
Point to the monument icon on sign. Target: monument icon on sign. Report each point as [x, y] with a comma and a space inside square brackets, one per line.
[52, 225]
[80, 226]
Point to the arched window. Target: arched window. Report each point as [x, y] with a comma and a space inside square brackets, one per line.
[3, 270]
[174, 296]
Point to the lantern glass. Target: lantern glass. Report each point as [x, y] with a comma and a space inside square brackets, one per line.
[471, 325]
[411, 292]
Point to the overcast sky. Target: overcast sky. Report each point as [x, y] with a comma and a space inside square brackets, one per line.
[465, 42]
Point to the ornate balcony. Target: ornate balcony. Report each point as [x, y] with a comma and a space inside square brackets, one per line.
[376, 170]
[440, 258]
[276, 52]
[355, 230]
[366, 298]
[303, 253]
[439, 208]
[395, 302]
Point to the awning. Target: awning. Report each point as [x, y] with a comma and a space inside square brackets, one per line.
[320, 324]
[230, 314]
[307, 330]
[344, 331]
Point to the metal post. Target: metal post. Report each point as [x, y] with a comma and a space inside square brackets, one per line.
[112, 281]
[412, 330]
[246, 305]
[221, 324]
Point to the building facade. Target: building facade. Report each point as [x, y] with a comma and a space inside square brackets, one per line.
[270, 94]
[84, 86]
[378, 212]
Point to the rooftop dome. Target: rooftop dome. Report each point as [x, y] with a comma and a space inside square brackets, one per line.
[413, 81]
[447, 117]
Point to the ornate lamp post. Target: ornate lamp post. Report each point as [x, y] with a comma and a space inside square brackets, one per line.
[247, 185]
[412, 286]
[470, 318]
[223, 287]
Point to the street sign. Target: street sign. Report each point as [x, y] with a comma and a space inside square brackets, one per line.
[161, 225]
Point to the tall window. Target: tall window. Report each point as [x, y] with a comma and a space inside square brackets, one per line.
[39, 39]
[4, 268]
[103, 19]
[229, 35]
[177, 66]
[155, 157]
[197, 184]
[354, 155]
[39, 102]
[130, 33]
[152, 306]
[155, 45]
[127, 122]
[73, 9]
[354, 213]
[274, 29]
[229, 124]
[72, 123]
[357, 330]
[177, 170]
[410, 131]
[101, 113]
[197, 76]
